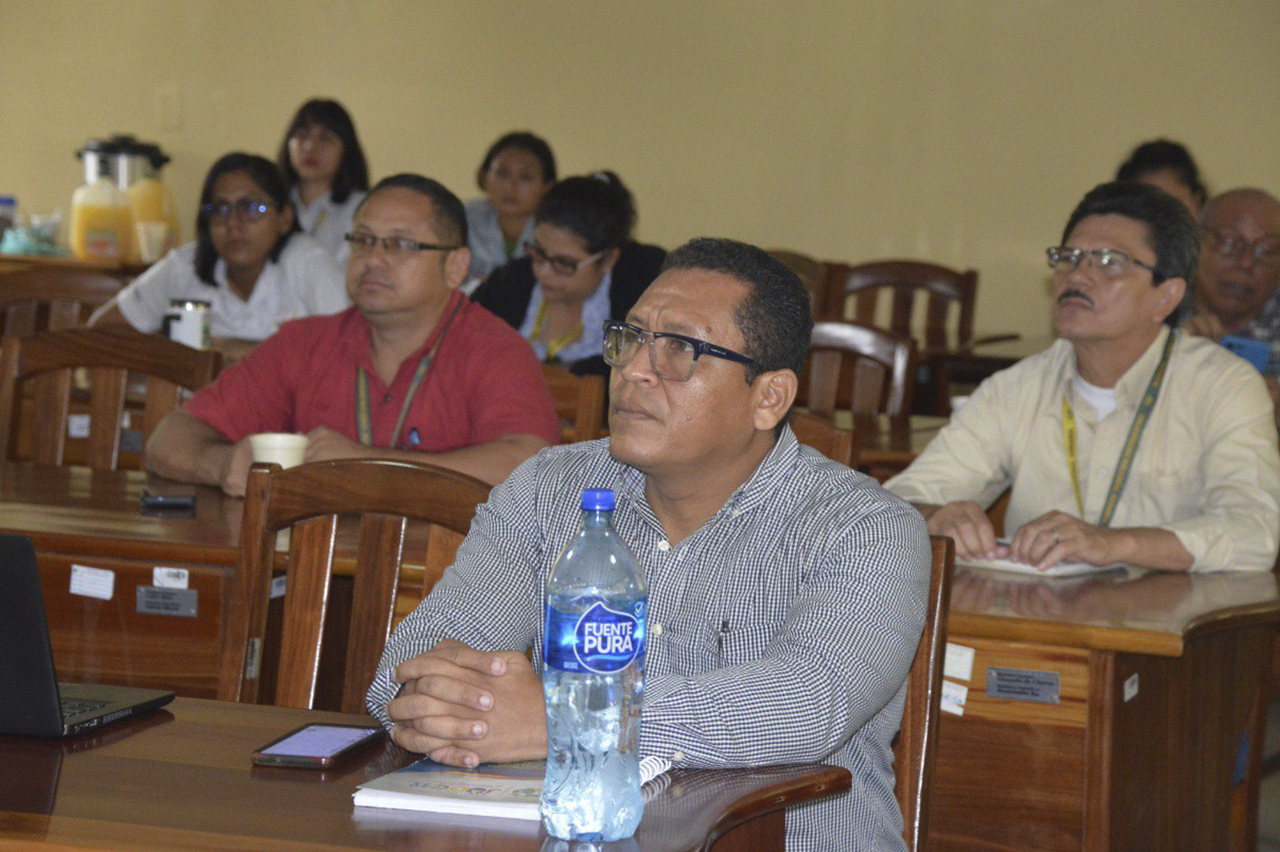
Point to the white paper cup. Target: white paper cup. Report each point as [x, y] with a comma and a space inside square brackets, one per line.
[152, 237]
[283, 448]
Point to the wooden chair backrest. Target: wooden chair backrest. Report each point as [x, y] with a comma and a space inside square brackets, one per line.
[812, 273]
[821, 433]
[579, 402]
[863, 369]
[940, 287]
[109, 355]
[916, 743]
[49, 299]
[308, 500]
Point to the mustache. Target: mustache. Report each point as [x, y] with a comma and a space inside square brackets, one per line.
[1075, 294]
[370, 277]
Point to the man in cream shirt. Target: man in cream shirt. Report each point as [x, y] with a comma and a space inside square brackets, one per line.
[1124, 441]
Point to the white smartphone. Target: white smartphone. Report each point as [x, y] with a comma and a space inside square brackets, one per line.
[317, 746]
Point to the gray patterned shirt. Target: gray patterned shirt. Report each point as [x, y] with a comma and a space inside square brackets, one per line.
[1265, 327]
[780, 632]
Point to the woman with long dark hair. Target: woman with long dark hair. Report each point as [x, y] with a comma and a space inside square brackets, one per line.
[324, 166]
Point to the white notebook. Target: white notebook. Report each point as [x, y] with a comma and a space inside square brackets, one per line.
[1062, 569]
[491, 790]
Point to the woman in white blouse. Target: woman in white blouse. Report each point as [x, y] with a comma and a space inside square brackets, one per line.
[249, 263]
[324, 166]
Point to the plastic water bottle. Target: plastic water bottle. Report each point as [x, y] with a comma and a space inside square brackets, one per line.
[593, 682]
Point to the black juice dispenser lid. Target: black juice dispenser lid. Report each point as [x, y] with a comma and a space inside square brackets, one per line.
[128, 145]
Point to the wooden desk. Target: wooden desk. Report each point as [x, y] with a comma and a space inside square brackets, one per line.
[894, 442]
[886, 445]
[181, 779]
[1155, 740]
[79, 516]
[126, 271]
[970, 366]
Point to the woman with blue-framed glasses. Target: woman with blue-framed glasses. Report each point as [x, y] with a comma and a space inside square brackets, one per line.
[249, 262]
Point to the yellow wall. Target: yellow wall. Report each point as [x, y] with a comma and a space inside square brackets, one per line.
[961, 131]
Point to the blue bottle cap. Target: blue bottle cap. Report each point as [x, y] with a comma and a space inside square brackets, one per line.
[597, 500]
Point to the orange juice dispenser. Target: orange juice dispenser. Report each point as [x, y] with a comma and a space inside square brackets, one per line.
[101, 223]
[154, 216]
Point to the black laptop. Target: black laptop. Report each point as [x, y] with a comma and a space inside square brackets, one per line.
[32, 702]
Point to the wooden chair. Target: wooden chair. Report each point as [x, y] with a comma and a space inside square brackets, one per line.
[860, 369]
[853, 294]
[916, 743]
[109, 354]
[579, 403]
[812, 273]
[309, 500]
[940, 287]
[52, 298]
[821, 433]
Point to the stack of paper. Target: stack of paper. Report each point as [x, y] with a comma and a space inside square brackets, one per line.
[509, 790]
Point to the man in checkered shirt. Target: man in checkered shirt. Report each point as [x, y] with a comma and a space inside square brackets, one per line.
[786, 592]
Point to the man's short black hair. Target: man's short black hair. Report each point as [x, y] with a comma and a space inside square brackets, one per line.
[774, 317]
[1171, 232]
[450, 218]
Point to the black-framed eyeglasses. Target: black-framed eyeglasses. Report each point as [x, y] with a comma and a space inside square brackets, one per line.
[247, 209]
[396, 248]
[672, 356]
[1229, 244]
[562, 265]
[1112, 263]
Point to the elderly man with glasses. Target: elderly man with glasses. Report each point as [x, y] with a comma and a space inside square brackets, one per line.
[1126, 441]
[413, 370]
[1234, 299]
[786, 592]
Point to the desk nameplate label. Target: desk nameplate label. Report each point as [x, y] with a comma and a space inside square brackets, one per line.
[89, 582]
[170, 578]
[177, 602]
[1023, 685]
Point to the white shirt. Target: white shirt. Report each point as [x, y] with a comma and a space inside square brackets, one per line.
[1103, 400]
[328, 222]
[1207, 468]
[304, 282]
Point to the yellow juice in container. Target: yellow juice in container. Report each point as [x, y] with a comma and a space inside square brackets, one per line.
[151, 201]
[101, 224]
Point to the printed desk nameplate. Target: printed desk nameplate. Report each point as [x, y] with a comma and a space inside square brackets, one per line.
[1022, 685]
[179, 602]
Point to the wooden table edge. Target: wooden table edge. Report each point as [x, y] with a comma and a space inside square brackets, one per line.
[1087, 636]
[832, 780]
[128, 548]
[1105, 638]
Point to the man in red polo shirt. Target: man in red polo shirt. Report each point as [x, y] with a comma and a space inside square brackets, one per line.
[414, 370]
